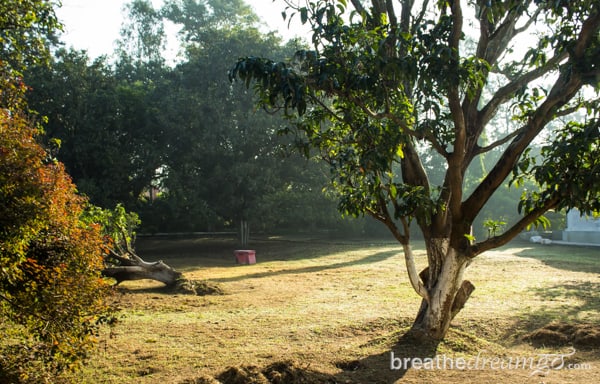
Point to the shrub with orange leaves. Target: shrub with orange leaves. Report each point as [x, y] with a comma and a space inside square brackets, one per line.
[52, 296]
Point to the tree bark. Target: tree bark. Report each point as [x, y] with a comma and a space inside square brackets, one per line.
[244, 232]
[448, 294]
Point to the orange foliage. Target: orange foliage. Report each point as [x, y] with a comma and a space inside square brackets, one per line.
[51, 290]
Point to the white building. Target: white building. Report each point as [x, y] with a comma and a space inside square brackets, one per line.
[581, 229]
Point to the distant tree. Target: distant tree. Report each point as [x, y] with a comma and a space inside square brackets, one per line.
[386, 85]
[199, 19]
[106, 119]
[143, 37]
[222, 158]
[221, 152]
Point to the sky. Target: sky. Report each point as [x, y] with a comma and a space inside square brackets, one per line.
[93, 25]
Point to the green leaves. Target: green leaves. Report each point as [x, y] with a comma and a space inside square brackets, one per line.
[118, 226]
[493, 226]
[27, 30]
[568, 171]
[278, 84]
[303, 15]
[377, 96]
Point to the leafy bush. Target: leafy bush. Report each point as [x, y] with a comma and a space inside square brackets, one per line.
[52, 296]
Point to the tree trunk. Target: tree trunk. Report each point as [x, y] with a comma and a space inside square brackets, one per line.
[244, 232]
[447, 296]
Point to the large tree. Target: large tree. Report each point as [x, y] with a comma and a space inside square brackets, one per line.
[221, 157]
[388, 83]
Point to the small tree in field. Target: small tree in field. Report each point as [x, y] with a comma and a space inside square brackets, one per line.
[389, 84]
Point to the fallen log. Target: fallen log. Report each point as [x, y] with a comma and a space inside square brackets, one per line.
[123, 264]
[158, 271]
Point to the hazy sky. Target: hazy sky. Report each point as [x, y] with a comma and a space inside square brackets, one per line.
[94, 25]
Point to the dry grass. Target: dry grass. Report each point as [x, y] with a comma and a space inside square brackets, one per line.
[332, 312]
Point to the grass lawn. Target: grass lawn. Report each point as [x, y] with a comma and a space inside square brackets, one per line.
[327, 311]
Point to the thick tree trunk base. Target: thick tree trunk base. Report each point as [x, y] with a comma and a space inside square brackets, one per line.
[447, 294]
[433, 327]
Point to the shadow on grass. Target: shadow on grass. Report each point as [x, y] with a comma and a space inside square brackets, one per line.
[569, 303]
[571, 258]
[190, 253]
[382, 368]
[391, 365]
[379, 256]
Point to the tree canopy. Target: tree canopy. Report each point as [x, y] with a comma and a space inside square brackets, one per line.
[389, 84]
[171, 141]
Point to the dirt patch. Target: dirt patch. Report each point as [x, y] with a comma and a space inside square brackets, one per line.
[198, 287]
[289, 373]
[146, 371]
[201, 380]
[560, 334]
[284, 372]
[351, 365]
[242, 375]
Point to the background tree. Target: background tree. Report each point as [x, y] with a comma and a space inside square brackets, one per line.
[172, 141]
[387, 84]
[228, 151]
[105, 119]
[220, 158]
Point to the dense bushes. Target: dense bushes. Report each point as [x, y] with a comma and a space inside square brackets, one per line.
[52, 297]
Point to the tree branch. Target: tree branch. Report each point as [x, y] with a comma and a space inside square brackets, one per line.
[455, 159]
[419, 19]
[413, 172]
[413, 275]
[589, 31]
[498, 143]
[435, 144]
[389, 4]
[531, 20]
[383, 215]
[359, 7]
[505, 93]
[121, 259]
[566, 111]
[567, 85]
[497, 241]
[378, 10]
